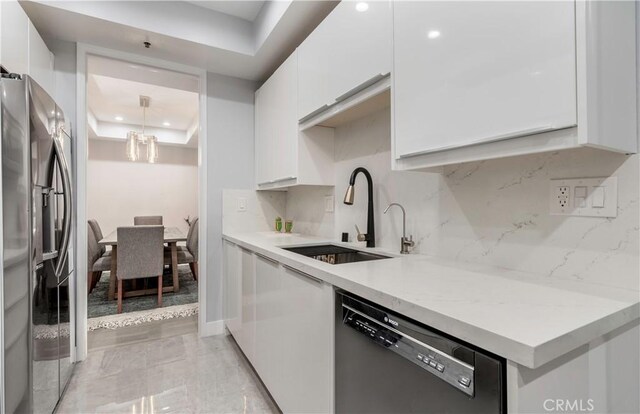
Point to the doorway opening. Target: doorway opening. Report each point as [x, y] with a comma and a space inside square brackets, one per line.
[142, 193]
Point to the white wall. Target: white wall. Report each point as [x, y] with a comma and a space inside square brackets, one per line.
[119, 189]
[229, 165]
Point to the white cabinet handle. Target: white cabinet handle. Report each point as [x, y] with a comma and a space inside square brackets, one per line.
[301, 273]
[314, 113]
[510, 135]
[292, 177]
[362, 86]
[274, 261]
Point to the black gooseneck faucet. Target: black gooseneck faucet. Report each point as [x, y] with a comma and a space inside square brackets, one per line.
[370, 236]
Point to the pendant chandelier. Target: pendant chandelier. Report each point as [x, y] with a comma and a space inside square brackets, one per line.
[134, 139]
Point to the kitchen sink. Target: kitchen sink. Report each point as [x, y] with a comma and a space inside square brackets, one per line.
[332, 254]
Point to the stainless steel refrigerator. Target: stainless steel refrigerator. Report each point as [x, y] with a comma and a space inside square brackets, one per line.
[36, 248]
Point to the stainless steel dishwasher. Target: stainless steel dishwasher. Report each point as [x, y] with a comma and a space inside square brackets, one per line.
[386, 363]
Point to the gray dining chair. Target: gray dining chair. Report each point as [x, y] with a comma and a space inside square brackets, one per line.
[147, 221]
[187, 254]
[99, 236]
[96, 261]
[140, 255]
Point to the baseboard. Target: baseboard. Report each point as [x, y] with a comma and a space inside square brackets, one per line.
[212, 328]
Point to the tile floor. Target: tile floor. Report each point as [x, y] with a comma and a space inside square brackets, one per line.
[163, 367]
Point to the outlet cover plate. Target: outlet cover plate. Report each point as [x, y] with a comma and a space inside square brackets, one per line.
[328, 204]
[586, 197]
[242, 204]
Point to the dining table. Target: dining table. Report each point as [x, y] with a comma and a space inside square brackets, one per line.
[172, 235]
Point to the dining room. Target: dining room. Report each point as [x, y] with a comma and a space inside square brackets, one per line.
[142, 197]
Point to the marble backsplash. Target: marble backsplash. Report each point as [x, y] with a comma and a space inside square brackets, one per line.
[494, 212]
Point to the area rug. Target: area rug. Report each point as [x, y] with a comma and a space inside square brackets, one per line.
[139, 317]
[99, 305]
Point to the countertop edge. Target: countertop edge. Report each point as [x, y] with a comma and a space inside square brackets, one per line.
[530, 356]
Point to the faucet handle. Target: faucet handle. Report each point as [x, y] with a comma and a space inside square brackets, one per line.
[409, 241]
[406, 244]
[360, 237]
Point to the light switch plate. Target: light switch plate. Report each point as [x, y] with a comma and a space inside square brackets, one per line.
[587, 197]
[242, 204]
[328, 204]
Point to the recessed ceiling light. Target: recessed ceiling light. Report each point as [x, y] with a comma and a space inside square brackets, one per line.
[362, 6]
[119, 118]
[165, 123]
[433, 34]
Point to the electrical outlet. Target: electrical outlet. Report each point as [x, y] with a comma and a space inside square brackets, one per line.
[561, 196]
[588, 197]
[242, 204]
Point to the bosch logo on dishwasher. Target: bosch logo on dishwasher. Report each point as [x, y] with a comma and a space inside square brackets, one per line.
[391, 321]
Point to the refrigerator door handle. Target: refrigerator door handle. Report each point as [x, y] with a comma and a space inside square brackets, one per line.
[66, 184]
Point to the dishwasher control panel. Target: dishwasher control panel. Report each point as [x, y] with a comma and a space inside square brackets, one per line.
[384, 330]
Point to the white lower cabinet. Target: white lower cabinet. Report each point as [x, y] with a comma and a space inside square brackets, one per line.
[269, 356]
[232, 286]
[285, 328]
[247, 337]
[307, 343]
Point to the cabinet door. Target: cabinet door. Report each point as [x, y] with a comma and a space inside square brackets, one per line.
[40, 61]
[474, 72]
[269, 353]
[350, 47]
[263, 150]
[307, 343]
[232, 297]
[14, 43]
[247, 338]
[276, 124]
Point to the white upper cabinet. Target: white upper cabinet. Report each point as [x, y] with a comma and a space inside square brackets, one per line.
[284, 155]
[348, 51]
[484, 71]
[40, 61]
[22, 50]
[478, 80]
[276, 125]
[14, 43]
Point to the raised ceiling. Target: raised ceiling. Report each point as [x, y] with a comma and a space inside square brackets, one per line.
[110, 98]
[247, 10]
[206, 35]
[113, 91]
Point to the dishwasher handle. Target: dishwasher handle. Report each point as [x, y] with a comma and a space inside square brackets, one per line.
[457, 373]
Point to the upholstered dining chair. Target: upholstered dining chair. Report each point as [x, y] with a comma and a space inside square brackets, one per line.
[189, 253]
[96, 261]
[97, 231]
[147, 221]
[140, 255]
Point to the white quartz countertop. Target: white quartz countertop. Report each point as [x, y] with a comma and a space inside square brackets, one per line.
[526, 318]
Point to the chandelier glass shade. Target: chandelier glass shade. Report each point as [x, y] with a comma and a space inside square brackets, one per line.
[134, 139]
[133, 150]
[152, 149]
